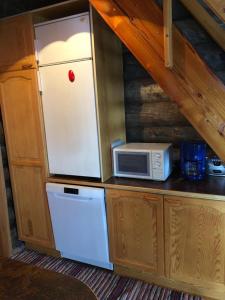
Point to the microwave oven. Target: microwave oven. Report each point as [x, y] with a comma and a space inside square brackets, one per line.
[143, 160]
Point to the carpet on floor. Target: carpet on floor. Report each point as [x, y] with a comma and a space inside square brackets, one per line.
[105, 284]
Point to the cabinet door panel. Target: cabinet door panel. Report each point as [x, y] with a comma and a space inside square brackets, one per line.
[136, 229]
[20, 105]
[20, 114]
[31, 205]
[195, 240]
[16, 40]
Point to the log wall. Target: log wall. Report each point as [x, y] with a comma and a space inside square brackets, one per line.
[150, 115]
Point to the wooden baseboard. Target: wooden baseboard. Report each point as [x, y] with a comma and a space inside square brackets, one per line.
[47, 251]
[208, 292]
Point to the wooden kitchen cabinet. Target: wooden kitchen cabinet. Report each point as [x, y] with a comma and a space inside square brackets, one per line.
[136, 230]
[195, 243]
[20, 104]
[31, 204]
[22, 120]
[17, 46]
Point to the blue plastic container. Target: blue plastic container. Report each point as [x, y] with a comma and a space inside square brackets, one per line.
[193, 160]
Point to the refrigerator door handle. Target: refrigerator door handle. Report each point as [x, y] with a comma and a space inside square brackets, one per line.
[36, 50]
[39, 82]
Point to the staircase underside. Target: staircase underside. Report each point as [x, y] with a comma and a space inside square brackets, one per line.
[199, 94]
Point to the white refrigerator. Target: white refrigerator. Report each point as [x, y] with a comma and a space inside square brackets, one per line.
[66, 80]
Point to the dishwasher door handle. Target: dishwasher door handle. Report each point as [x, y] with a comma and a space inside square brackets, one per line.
[72, 197]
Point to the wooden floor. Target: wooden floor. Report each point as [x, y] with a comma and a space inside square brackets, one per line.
[20, 281]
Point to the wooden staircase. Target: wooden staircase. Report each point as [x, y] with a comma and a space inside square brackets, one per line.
[218, 7]
[198, 92]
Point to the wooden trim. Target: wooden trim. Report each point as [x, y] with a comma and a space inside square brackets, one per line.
[168, 33]
[109, 89]
[218, 7]
[44, 250]
[211, 291]
[27, 162]
[5, 235]
[135, 188]
[207, 21]
[54, 11]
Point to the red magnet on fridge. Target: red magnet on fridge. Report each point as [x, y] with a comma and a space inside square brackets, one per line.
[71, 76]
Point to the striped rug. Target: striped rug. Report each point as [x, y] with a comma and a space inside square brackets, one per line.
[104, 284]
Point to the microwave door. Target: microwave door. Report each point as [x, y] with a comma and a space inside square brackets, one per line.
[133, 164]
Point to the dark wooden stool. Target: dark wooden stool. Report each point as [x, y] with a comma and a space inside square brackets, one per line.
[26, 282]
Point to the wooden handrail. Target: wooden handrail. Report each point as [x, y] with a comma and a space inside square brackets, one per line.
[168, 33]
[207, 21]
[218, 7]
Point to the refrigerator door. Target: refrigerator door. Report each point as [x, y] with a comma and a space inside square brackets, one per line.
[62, 40]
[70, 119]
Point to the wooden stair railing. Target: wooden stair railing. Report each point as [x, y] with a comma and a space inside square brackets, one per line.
[206, 20]
[218, 7]
[168, 33]
[198, 93]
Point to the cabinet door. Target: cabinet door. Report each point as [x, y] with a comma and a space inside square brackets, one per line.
[195, 241]
[20, 105]
[31, 205]
[136, 230]
[17, 43]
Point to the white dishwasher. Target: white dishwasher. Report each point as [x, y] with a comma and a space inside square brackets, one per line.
[78, 217]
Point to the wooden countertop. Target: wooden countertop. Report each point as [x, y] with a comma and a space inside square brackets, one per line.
[210, 188]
